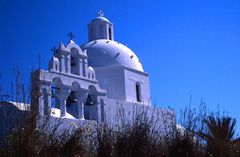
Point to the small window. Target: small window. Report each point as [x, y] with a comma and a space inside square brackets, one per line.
[138, 92]
[110, 33]
[92, 76]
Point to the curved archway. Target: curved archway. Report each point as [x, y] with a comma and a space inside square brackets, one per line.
[75, 86]
[56, 86]
[56, 81]
[73, 100]
[74, 60]
[72, 45]
[90, 107]
[46, 109]
[92, 89]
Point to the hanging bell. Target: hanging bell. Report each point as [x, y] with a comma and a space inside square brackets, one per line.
[53, 94]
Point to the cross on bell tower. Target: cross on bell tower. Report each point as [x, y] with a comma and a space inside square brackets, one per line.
[71, 35]
[54, 50]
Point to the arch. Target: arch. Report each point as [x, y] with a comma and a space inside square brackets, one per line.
[71, 104]
[57, 82]
[56, 86]
[75, 86]
[45, 101]
[90, 107]
[73, 100]
[92, 90]
[72, 45]
[75, 52]
[74, 61]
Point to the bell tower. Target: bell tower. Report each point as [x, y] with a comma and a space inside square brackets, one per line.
[100, 28]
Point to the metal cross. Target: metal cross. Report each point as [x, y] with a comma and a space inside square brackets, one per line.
[54, 50]
[100, 13]
[71, 35]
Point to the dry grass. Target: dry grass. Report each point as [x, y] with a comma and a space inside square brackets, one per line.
[142, 137]
[129, 140]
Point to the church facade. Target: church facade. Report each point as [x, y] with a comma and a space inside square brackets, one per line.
[101, 80]
[92, 81]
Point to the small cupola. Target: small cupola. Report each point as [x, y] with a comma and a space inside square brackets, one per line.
[100, 28]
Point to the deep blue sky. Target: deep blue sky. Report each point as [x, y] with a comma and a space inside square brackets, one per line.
[189, 47]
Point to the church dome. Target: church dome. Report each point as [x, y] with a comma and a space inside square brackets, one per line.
[105, 53]
[100, 19]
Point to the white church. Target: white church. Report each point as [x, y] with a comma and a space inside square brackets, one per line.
[92, 81]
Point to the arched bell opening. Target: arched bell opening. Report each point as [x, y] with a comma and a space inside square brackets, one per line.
[88, 111]
[74, 60]
[46, 109]
[73, 100]
[90, 106]
[71, 104]
[55, 90]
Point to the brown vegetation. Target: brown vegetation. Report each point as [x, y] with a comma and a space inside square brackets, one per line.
[202, 135]
[215, 139]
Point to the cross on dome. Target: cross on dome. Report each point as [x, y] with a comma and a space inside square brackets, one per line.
[100, 28]
[100, 13]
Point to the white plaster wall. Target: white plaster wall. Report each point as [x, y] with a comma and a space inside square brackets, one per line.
[131, 78]
[120, 83]
[69, 79]
[112, 80]
[116, 112]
